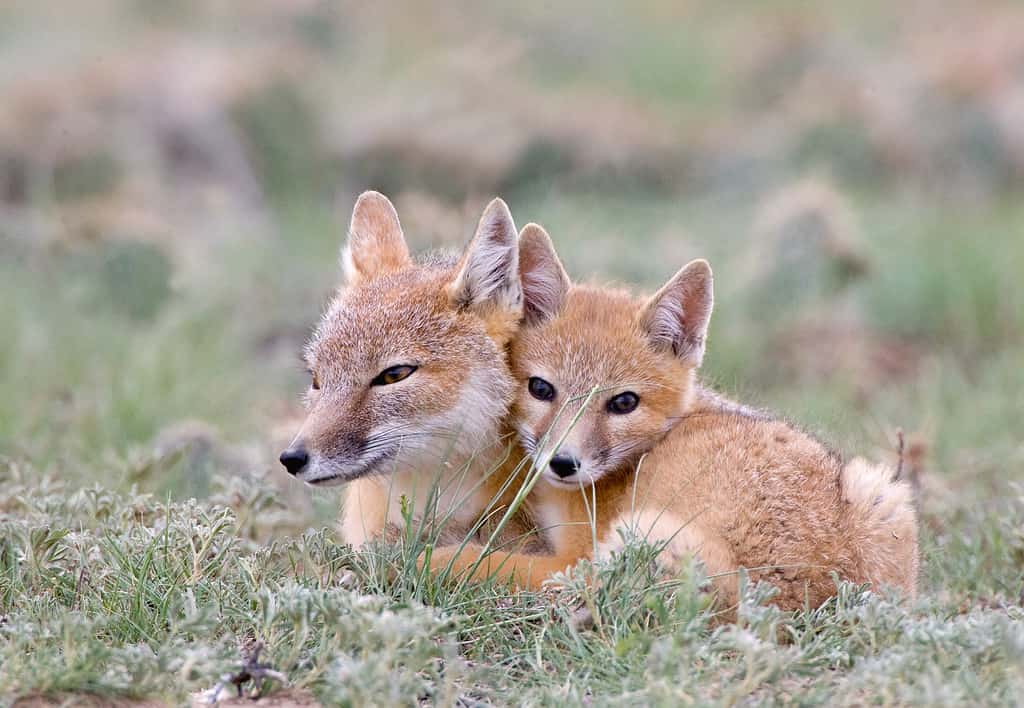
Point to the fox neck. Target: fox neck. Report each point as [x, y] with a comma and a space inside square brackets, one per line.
[708, 400]
[703, 397]
[459, 488]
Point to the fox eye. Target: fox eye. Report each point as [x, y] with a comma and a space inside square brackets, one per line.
[315, 382]
[541, 389]
[393, 374]
[624, 403]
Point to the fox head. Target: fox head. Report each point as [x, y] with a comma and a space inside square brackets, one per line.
[602, 376]
[408, 364]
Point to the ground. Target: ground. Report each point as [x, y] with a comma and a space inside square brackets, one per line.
[175, 179]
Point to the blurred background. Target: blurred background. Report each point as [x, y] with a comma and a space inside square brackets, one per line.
[176, 178]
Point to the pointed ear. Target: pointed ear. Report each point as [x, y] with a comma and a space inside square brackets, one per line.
[544, 280]
[677, 316]
[489, 269]
[375, 242]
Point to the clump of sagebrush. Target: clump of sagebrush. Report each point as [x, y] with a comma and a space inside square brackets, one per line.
[806, 245]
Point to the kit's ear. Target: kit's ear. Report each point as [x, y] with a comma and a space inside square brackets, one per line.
[545, 282]
[489, 270]
[375, 242]
[677, 316]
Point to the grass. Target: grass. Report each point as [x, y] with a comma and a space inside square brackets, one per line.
[156, 287]
[123, 594]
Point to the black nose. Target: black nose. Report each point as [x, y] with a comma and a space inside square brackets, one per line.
[294, 459]
[564, 466]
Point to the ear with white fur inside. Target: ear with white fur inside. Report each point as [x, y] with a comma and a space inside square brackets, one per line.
[545, 282]
[489, 269]
[376, 244]
[677, 316]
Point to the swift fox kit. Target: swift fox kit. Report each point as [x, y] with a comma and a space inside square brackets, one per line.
[606, 378]
[409, 382]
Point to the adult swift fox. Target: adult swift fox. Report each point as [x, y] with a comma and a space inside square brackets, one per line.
[606, 378]
[409, 380]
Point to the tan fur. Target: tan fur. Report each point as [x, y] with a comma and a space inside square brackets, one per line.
[717, 480]
[442, 427]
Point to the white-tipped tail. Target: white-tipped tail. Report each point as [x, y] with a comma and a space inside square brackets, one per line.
[881, 524]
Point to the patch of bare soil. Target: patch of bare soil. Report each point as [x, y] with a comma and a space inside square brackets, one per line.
[816, 350]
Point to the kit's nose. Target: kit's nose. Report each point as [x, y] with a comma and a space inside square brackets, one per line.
[295, 459]
[564, 465]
